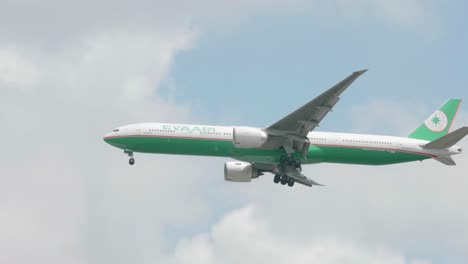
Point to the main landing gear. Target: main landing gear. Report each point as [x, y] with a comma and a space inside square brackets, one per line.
[283, 179]
[287, 161]
[131, 161]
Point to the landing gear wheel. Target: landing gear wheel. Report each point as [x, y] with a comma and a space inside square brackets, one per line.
[298, 162]
[284, 180]
[291, 182]
[277, 178]
[131, 161]
[295, 162]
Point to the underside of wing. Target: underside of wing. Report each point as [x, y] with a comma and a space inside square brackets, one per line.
[290, 172]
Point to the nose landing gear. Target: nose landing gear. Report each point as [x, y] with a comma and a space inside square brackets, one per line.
[131, 161]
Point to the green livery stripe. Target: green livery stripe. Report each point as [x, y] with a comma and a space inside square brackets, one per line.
[439, 123]
[225, 148]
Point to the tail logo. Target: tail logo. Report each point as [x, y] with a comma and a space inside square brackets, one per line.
[437, 121]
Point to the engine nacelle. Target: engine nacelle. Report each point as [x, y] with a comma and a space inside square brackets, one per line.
[249, 137]
[238, 171]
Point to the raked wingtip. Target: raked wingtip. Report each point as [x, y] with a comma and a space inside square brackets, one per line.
[361, 71]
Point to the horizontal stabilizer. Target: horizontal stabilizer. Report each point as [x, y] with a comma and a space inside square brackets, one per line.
[446, 160]
[448, 140]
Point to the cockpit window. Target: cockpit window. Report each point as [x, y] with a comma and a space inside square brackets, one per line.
[116, 130]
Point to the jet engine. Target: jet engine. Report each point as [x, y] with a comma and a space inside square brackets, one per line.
[238, 171]
[249, 137]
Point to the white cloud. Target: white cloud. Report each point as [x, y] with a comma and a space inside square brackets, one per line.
[198, 249]
[16, 70]
[41, 217]
[242, 236]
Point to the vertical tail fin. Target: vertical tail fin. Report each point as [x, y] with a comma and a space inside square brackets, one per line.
[438, 124]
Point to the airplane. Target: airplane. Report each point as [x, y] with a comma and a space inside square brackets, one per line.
[283, 147]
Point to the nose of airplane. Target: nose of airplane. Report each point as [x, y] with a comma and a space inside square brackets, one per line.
[106, 137]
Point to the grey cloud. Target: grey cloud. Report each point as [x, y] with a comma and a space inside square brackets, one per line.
[65, 197]
[53, 24]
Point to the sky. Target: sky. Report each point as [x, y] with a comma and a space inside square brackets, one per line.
[72, 71]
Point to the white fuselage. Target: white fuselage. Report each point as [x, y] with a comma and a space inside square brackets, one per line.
[225, 133]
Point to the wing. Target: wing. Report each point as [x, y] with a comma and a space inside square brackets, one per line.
[292, 130]
[309, 115]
